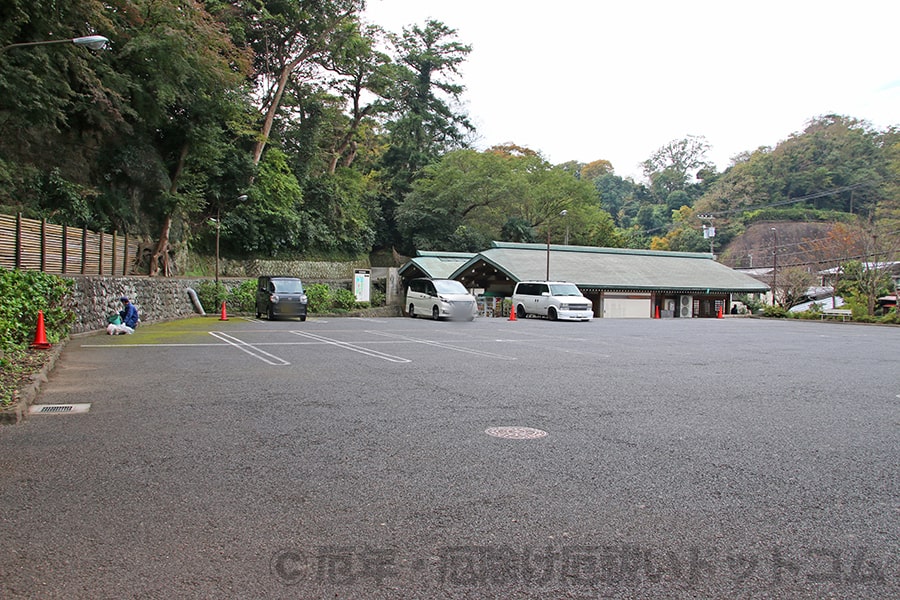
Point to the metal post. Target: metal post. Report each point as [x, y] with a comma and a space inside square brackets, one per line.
[548, 251]
[218, 227]
[774, 265]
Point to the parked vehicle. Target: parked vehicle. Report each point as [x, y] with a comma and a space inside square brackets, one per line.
[551, 299]
[440, 298]
[280, 296]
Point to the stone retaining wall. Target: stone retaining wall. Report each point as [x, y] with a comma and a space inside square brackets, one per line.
[307, 270]
[94, 298]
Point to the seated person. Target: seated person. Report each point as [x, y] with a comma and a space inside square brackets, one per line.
[126, 320]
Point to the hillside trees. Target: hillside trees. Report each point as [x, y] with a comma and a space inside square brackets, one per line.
[422, 100]
[504, 193]
[837, 163]
[56, 106]
[184, 71]
[291, 39]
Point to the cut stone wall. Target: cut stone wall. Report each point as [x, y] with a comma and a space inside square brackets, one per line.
[94, 298]
[307, 270]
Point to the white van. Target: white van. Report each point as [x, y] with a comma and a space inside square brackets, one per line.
[439, 298]
[551, 299]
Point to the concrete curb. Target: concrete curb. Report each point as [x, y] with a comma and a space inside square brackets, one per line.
[26, 394]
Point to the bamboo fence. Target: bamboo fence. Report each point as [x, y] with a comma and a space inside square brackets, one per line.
[28, 244]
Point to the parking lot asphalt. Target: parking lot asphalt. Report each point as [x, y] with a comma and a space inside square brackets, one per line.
[406, 458]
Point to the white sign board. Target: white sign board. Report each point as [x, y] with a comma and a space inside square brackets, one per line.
[361, 282]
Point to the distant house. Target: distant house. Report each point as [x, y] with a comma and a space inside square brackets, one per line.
[621, 283]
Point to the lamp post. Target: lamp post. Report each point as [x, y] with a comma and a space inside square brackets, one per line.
[218, 223]
[94, 42]
[774, 264]
[562, 213]
[218, 229]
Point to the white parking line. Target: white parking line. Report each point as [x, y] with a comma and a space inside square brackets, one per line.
[353, 347]
[249, 349]
[442, 345]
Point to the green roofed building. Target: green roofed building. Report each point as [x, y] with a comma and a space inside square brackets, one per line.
[435, 265]
[619, 282]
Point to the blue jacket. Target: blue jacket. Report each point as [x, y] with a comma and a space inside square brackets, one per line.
[129, 315]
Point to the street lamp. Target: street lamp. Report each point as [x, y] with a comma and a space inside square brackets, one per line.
[218, 223]
[562, 213]
[94, 42]
[774, 263]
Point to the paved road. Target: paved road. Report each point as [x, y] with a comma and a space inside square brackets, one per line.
[348, 458]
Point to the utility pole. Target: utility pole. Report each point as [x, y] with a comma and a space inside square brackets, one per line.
[709, 232]
[774, 264]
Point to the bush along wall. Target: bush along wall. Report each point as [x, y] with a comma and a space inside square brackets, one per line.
[22, 295]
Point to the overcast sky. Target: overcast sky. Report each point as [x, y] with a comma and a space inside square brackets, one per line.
[592, 79]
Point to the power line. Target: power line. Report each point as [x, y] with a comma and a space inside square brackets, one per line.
[832, 192]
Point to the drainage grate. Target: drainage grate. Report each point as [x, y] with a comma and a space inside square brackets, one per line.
[516, 433]
[58, 409]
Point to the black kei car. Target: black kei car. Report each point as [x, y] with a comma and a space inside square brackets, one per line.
[280, 296]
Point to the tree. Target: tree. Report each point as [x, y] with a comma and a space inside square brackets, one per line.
[502, 193]
[360, 70]
[183, 101]
[421, 96]
[674, 165]
[793, 285]
[595, 169]
[291, 40]
[423, 120]
[836, 164]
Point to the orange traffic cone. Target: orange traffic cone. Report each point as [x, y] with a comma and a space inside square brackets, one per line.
[657, 312]
[719, 314]
[512, 313]
[224, 316]
[40, 337]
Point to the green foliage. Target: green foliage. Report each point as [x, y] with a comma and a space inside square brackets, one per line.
[343, 299]
[239, 298]
[753, 304]
[318, 297]
[838, 162]
[469, 198]
[336, 213]
[211, 295]
[22, 295]
[775, 311]
[377, 298]
[242, 299]
[269, 223]
[323, 298]
[799, 213]
[891, 318]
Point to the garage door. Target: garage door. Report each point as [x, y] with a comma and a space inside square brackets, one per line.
[626, 306]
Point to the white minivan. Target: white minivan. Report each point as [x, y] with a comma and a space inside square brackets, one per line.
[440, 298]
[551, 299]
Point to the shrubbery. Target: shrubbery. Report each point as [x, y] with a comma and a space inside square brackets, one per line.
[343, 299]
[319, 297]
[774, 311]
[22, 295]
[241, 299]
[322, 298]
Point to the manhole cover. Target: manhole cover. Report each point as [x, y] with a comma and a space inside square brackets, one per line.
[516, 433]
